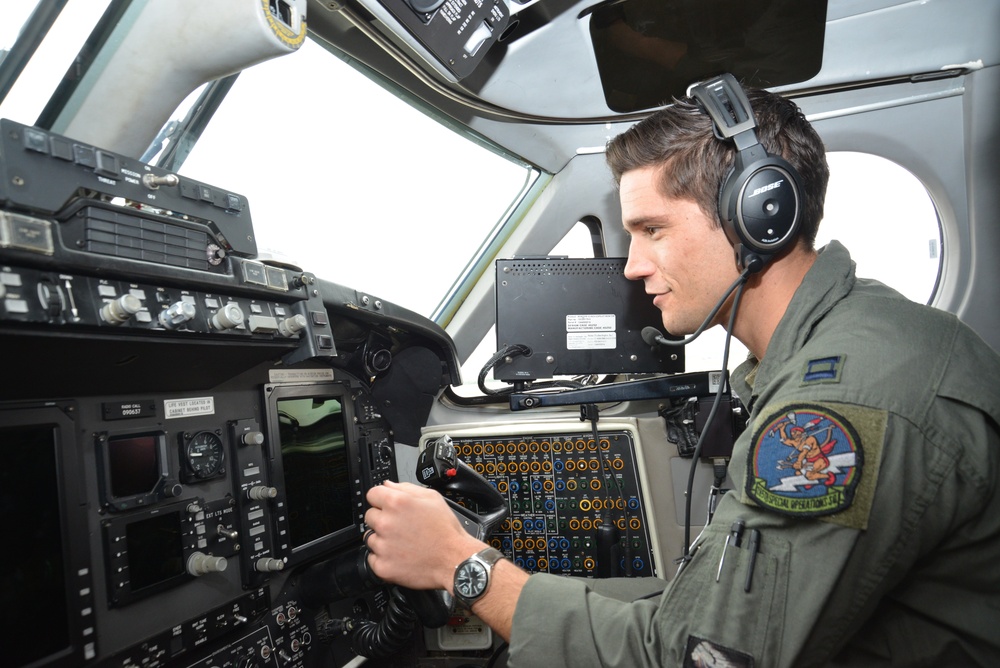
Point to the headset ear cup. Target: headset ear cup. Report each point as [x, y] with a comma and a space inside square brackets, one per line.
[759, 199]
[767, 204]
[759, 208]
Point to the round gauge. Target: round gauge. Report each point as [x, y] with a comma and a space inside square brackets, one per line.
[205, 453]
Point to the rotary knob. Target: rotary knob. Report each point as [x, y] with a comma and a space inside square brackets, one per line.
[120, 309]
[262, 493]
[199, 564]
[268, 565]
[228, 317]
[292, 326]
[177, 314]
[252, 438]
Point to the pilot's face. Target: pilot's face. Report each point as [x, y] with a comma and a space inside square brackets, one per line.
[680, 254]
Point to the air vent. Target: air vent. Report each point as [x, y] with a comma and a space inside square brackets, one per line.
[562, 267]
[137, 238]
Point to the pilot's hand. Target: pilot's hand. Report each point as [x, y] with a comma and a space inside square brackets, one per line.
[417, 540]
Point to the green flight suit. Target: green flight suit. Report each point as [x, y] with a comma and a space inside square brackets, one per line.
[870, 469]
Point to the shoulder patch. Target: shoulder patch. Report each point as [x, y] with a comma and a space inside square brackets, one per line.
[806, 460]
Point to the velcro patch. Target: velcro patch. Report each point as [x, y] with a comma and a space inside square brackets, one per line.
[823, 370]
[701, 653]
[806, 460]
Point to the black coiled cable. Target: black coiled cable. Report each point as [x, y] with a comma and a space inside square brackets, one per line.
[388, 635]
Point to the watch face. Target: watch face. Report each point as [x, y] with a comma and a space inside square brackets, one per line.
[470, 580]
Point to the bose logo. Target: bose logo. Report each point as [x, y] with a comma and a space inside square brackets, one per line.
[769, 186]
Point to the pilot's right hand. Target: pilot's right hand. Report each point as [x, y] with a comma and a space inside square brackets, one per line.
[417, 540]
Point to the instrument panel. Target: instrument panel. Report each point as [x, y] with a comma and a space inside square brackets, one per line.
[576, 502]
[178, 531]
[182, 440]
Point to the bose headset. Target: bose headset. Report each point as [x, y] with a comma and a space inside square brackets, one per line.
[760, 200]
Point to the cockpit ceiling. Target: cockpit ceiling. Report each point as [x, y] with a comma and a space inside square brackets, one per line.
[618, 59]
[632, 55]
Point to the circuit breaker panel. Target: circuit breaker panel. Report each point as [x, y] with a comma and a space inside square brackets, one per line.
[576, 503]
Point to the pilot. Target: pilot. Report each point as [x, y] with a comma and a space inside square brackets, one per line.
[879, 547]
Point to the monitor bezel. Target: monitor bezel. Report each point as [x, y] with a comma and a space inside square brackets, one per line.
[350, 533]
[72, 504]
[165, 487]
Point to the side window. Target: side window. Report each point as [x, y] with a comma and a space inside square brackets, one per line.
[886, 219]
[877, 209]
[583, 240]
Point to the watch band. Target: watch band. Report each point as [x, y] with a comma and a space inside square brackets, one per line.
[489, 556]
[486, 558]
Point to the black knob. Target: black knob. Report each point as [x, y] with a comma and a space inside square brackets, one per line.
[424, 6]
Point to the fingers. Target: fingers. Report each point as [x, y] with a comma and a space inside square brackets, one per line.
[410, 527]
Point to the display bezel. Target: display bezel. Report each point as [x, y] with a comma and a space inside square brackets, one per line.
[298, 553]
[119, 562]
[76, 567]
[164, 486]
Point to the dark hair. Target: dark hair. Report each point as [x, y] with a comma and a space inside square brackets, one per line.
[694, 162]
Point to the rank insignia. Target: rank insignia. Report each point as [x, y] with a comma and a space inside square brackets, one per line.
[805, 461]
[823, 370]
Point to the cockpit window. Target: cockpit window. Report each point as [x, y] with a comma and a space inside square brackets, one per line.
[884, 216]
[648, 51]
[39, 44]
[351, 183]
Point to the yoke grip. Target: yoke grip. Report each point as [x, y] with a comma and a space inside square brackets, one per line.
[440, 468]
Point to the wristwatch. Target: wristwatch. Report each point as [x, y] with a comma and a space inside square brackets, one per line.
[472, 576]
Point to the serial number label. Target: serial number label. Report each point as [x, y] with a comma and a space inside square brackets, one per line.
[123, 410]
[178, 408]
[590, 322]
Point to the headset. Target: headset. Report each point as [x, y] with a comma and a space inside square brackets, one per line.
[760, 198]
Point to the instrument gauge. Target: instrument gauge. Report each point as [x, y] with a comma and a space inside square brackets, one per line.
[205, 454]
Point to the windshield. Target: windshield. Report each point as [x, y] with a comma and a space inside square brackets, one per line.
[347, 181]
[45, 62]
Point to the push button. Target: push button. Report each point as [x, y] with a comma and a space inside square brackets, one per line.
[84, 155]
[62, 149]
[36, 140]
[106, 165]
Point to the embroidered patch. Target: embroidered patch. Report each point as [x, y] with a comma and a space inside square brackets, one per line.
[701, 653]
[805, 461]
[823, 370]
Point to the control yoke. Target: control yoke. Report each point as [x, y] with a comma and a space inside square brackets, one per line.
[440, 468]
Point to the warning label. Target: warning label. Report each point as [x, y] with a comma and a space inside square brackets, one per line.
[178, 408]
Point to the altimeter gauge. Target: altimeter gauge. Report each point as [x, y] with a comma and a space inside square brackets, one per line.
[205, 455]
